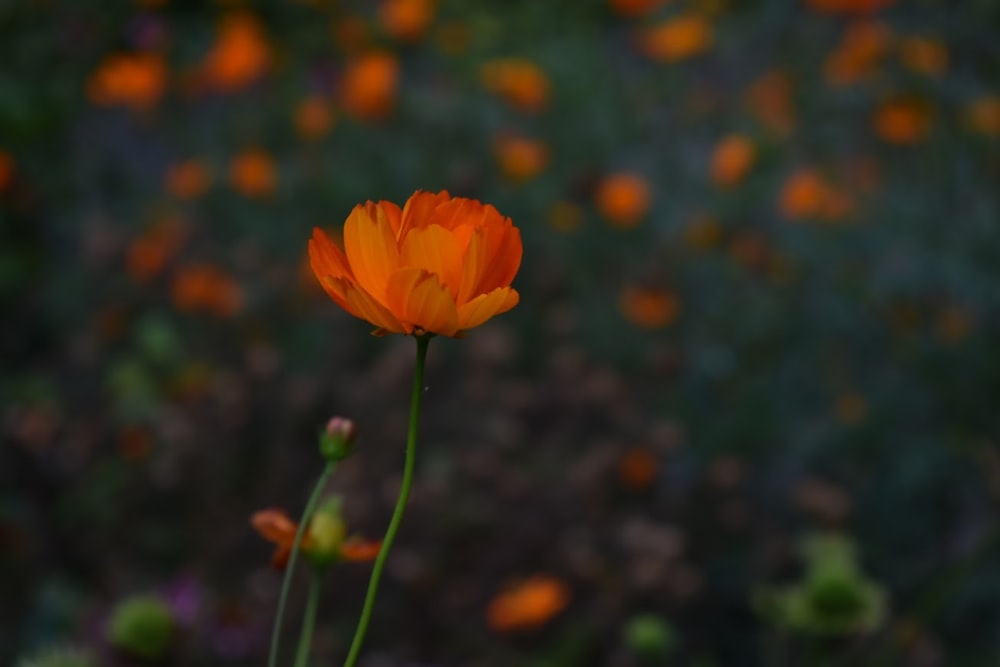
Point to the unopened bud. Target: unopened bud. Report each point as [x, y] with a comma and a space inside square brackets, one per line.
[327, 531]
[335, 443]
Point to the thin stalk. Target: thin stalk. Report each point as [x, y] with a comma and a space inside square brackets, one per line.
[272, 659]
[397, 515]
[308, 622]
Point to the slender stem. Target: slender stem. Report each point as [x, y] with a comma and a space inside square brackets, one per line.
[308, 622]
[272, 659]
[397, 515]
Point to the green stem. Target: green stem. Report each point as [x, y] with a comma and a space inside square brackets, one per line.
[308, 623]
[397, 515]
[272, 659]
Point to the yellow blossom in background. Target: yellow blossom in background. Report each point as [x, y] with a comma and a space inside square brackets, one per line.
[623, 199]
[649, 307]
[902, 121]
[252, 173]
[676, 39]
[187, 180]
[240, 54]
[520, 158]
[731, 160]
[519, 81]
[527, 605]
[313, 118]
[133, 80]
[924, 55]
[368, 89]
[406, 20]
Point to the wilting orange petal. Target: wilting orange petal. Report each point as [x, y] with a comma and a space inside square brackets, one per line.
[274, 526]
[361, 304]
[421, 301]
[371, 250]
[435, 250]
[485, 306]
[360, 551]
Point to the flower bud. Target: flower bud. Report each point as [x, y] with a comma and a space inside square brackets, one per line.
[335, 443]
[326, 534]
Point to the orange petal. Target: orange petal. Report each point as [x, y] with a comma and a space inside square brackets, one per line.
[491, 260]
[360, 551]
[274, 526]
[387, 210]
[360, 304]
[485, 306]
[435, 250]
[419, 300]
[418, 208]
[371, 250]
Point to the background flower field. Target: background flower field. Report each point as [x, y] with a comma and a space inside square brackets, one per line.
[745, 414]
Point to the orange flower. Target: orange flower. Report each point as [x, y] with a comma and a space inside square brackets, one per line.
[649, 308]
[731, 160]
[924, 55]
[633, 8]
[6, 170]
[984, 116]
[520, 158]
[324, 540]
[406, 20]
[528, 605]
[677, 39]
[848, 6]
[862, 48]
[148, 254]
[440, 265]
[637, 468]
[313, 118]
[519, 81]
[369, 85]
[206, 287]
[770, 101]
[188, 179]
[135, 81]
[252, 173]
[902, 121]
[806, 194]
[240, 54]
[623, 199]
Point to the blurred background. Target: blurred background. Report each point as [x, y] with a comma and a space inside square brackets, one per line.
[746, 413]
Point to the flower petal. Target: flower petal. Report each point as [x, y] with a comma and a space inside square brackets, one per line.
[361, 304]
[360, 551]
[371, 250]
[418, 208]
[485, 306]
[274, 526]
[491, 260]
[420, 301]
[435, 250]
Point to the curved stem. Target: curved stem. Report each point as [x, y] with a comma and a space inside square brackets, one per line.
[308, 622]
[397, 515]
[286, 584]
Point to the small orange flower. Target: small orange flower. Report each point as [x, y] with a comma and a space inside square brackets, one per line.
[860, 51]
[240, 54]
[770, 101]
[440, 265]
[6, 170]
[406, 20]
[252, 173]
[206, 287]
[528, 605]
[634, 8]
[677, 39]
[148, 254]
[731, 160]
[323, 539]
[984, 116]
[703, 233]
[637, 468]
[519, 81]
[623, 199]
[649, 308]
[902, 121]
[188, 179]
[136, 81]
[313, 118]
[806, 194]
[520, 158]
[924, 55]
[369, 85]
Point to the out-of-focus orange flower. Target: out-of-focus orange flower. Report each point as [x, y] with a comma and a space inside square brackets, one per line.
[313, 117]
[924, 55]
[517, 80]
[188, 179]
[528, 605]
[703, 233]
[851, 408]
[565, 217]
[806, 194]
[440, 265]
[203, 287]
[677, 39]
[520, 158]
[637, 468]
[252, 173]
[770, 101]
[848, 6]
[133, 80]
[406, 20]
[648, 307]
[984, 115]
[149, 254]
[902, 121]
[623, 199]
[731, 160]
[860, 51]
[324, 540]
[240, 54]
[369, 85]
[351, 34]
[6, 170]
[634, 8]
[750, 251]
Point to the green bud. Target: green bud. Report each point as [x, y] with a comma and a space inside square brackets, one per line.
[141, 626]
[649, 635]
[337, 439]
[327, 531]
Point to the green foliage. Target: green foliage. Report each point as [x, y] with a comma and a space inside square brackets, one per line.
[142, 626]
[58, 657]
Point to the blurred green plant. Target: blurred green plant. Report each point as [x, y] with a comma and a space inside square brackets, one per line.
[61, 656]
[649, 635]
[141, 626]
